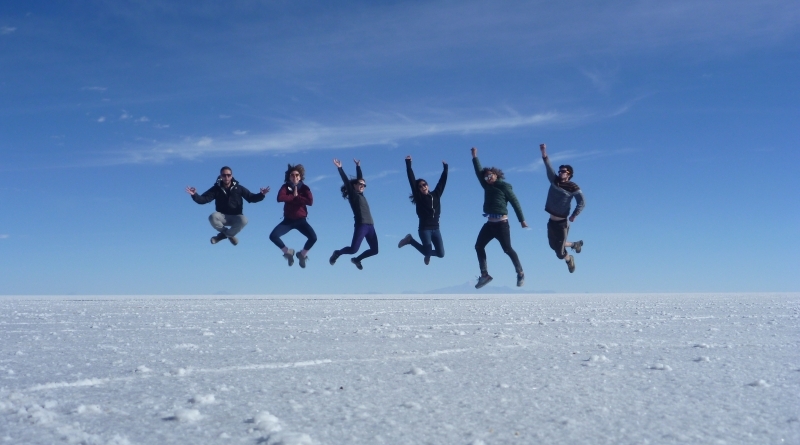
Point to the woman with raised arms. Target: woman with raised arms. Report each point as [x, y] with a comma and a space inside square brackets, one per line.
[428, 210]
[353, 191]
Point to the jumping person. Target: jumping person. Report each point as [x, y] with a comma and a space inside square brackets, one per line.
[559, 200]
[428, 210]
[353, 191]
[295, 196]
[496, 195]
[227, 195]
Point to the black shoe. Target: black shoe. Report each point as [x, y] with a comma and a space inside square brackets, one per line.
[334, 257]
[571, 263]
[427, 260]
[520, 279]
[576, 246]
[302, 260]
[405, 241]
[483, 280]
[289, 255]
[357, 263]
[217, 238]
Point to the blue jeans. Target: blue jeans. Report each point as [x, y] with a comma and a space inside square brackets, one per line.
[428, 236]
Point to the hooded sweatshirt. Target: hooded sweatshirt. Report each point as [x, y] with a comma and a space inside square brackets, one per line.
[428, 206]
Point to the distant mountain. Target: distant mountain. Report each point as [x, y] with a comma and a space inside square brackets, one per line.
[469, 288]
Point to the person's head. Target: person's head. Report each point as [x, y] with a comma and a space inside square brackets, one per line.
[294, 174]
[492, 174]
[422, 188]
[358, 184]
[565, 172]
[226, 176]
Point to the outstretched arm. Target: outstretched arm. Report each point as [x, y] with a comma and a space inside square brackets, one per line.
[412, 180]
[476, 163]
[206, 197]
[359, 175]
[551, 174]
[442, 180]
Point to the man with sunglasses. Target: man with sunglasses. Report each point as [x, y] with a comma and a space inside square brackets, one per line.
[227, 195]
[559, 201]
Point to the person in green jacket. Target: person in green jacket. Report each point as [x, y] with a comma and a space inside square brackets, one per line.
[496, 195]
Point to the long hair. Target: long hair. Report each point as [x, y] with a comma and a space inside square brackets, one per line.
[497, 172]
[294, 168]
[344, 189]
[416, 184]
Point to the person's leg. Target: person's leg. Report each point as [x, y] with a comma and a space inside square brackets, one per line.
[372, 241]
[438, 245]
[217, 221]
[359, 232]
[424, 246]
[311, 237]
[484, 236]
[557, 236]
[281, 229]
[504, 236]
[236, 223]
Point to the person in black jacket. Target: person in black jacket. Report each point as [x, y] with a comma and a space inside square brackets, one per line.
[227, 195]
[428, 210]
[353, 191]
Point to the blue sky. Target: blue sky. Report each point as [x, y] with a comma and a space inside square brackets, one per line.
[679, 117]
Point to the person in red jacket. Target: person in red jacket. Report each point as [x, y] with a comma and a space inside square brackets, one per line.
[295, 196]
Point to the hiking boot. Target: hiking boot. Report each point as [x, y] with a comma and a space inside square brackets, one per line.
[357, 263]
[233, 240]
[427, 260]
[520, 279]
[571, 263]
[334, 257]
[405, 241]
[576, 246]
[289, 255]
[217, 238]
[483, 280]
[302, 260]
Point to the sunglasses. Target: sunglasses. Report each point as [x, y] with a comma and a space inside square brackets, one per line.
[362, 184]
[226, 175]
[423, 185]
[563, 171]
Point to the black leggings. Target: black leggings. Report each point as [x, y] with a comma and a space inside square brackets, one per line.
[300, 224]
[501, 232]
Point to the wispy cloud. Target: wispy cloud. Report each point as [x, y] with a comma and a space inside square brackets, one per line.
[316, 179]
[4, 236]
[5, 30]
[313, 136]
[240, 132]
[382, 174]
[569, 156]
[143, 119]
[100, 89]
[101, 119]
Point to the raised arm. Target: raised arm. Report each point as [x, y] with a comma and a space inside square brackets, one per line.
[412, 180]
[476, 163]
[551, 174]
[442, 181]
[359, 175]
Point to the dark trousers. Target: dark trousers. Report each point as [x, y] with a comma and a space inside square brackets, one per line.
[431, 243]
[360, 232]
[299, 224]
[557, 232]
[500, 231]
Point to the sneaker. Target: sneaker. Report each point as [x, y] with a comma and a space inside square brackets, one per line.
[357, 263]
[217, 238]
[571, 263]
[520, 279]
[427, 260]
[302, 260]
[483, 280]
[576, 246]
[334, 257]
[289, 255]
[233, 240]
[405, 241]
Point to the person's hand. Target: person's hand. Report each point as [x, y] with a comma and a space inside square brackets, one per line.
[444, 162]
[191, 190]
[264, 191]
[294, 190]
[337, 163]
[543, 148]
[524, 225]
[474, 152]
[357, 161]
[408, 158]
[572, 218]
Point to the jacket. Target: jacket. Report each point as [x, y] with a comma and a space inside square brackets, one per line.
[497, 195]
[294, 207]
[228, 202]
[559, 197]
[428, 206]
[358, 202]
